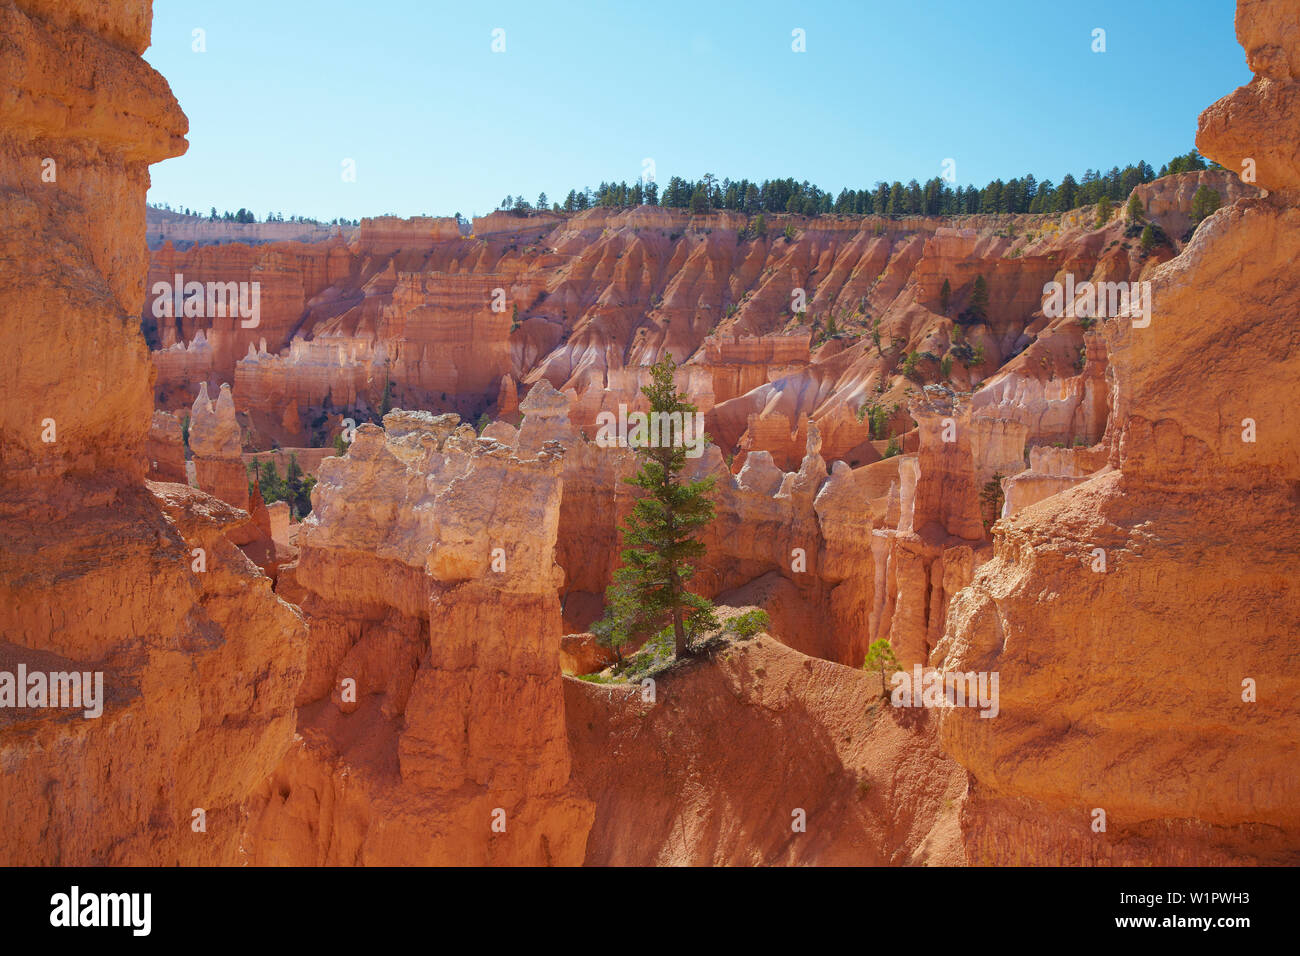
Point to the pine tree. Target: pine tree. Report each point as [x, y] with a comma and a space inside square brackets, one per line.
[977, 309]
[944, 295]
[880, 656]
[649, 590]
[1204, 203]
[699, 201]
[1103, 211]
[1135, 209]
[1148, 240]
[1066, 195]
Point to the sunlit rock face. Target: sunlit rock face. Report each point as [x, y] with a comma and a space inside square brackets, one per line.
[1143, 622]
[431, 720]
[133, 584]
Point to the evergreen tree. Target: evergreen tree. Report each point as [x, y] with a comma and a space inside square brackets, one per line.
[880, 656]
[1103, 211]
[699, 201]
[649, 590]
[1067, 196]
[1136, 212]
[1148, 240]
[270, 482]
[897, 199]
[977, 309]
[1204, 203]
[944, 295]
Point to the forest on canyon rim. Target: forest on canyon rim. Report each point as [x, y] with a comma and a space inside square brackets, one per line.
[343, 531]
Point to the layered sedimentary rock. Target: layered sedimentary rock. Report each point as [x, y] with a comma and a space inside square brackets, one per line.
[742, 363]
[1071, 409]
[797, 543]
[1144, 621]
[431, 720]
[437, 318]
[101, 573]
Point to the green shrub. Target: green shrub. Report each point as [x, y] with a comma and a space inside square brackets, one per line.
[750, 623]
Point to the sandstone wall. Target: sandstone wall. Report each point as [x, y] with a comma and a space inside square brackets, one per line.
[428, 579]
[98, 572]
[1126, 687]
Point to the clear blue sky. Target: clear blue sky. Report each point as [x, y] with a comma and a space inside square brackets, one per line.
[437, 123]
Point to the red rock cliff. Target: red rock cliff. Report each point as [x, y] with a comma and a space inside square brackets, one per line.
[1159, 686]
[101, 573]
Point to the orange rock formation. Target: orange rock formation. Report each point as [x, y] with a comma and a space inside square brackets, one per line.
[102, 572]
[1127, 685]
[431, 718]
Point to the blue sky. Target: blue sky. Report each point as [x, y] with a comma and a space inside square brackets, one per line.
[438, 123]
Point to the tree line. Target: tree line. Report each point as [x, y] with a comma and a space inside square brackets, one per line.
[248, 216]
[935, 197]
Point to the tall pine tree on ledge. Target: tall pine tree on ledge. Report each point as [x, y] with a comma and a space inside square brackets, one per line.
[649, 591]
